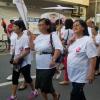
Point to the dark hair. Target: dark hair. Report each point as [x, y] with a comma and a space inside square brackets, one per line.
[20, 24]
[68, 24]
[47, 22]
[11, 21]
[84, 25]
[58, 21]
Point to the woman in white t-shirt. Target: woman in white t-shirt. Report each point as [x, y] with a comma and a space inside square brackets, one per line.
[21, 60]
[96, 39]
[45, 61]
[81, 60]
[66, 34]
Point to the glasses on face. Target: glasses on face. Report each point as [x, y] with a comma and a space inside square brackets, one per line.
[76, 25]
[40, 25]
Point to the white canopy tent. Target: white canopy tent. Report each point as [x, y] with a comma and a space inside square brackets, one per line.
[59, 8]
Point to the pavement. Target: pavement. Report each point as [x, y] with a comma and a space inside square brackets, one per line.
[92, 91]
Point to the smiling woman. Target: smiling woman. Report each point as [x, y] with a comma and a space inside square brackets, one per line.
[81, 60]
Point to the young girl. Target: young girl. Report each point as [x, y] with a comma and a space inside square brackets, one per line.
[21, 60]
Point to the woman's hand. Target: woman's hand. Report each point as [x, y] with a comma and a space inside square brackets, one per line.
[91, 71]
[52, 63]
[90, 78]
[16, 61]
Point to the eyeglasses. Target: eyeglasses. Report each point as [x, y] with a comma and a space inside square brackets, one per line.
[76, 25]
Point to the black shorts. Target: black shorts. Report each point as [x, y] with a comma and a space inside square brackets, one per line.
[44, 80]
[26, 73]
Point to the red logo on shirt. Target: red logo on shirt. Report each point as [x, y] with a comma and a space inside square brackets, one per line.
[78, 49]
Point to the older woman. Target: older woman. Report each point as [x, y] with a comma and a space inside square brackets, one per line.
[45, 61]
[81, 60]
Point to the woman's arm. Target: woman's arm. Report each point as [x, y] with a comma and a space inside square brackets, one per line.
[91, 70]
[56, 55]
[94, 40]
[22, 55]
[31, 39]
[54, 58]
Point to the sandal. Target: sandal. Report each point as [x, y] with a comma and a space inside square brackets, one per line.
[22, 87]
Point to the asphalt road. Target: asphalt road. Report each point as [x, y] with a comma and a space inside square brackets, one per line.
[92, 92]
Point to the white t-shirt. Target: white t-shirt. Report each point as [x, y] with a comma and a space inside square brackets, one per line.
[20, 45]
[78, 59]
[98, 39]
[13, 40]
[68, 34]
[62, 31]
[98, 42]
[90, 31]
[42, 43]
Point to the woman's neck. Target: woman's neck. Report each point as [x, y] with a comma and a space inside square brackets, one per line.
[20, 34]
[78, 36]
[45, 33]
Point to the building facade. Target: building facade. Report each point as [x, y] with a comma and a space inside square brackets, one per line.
[34, 7]
[94, 8]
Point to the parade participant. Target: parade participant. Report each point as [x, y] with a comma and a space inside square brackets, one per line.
[98, 59]
[96, 39]
[4, 25]
[60, 29]
[11, 39]
[90, 26]
[67, 34]
[21, 59]
[9, 31]
[45, 62]
[31, 36]
[81, 60]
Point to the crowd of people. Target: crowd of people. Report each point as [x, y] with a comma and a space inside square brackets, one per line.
[73, 44]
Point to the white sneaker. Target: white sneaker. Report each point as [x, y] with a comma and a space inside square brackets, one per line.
[9, 78]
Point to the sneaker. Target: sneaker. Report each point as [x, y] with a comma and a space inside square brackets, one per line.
[33, 95]
[10, 98]
[9, 78]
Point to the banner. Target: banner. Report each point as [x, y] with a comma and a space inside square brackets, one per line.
[22, 10]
